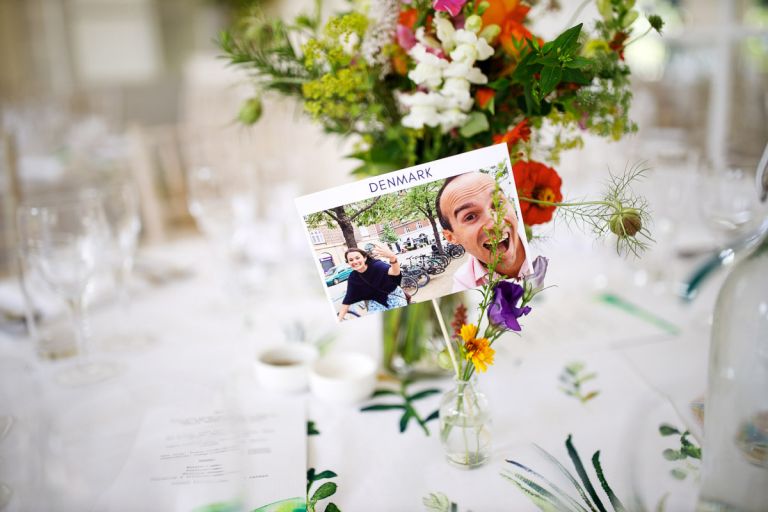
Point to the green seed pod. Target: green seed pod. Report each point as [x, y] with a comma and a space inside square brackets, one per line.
[250, 111]
[626, 222]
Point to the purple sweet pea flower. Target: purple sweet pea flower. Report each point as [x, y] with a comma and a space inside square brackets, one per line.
[503, 310]
[539, 272]
[453, 7]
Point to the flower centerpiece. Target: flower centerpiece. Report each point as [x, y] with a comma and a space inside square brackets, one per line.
[410, 81]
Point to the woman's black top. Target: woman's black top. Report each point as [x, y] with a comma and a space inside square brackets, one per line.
[373, 284]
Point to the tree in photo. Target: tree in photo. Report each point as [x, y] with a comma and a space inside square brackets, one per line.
[346, 217]
[419, 202]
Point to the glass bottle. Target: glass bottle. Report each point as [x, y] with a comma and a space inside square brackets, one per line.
[465, 425]
[735, 451]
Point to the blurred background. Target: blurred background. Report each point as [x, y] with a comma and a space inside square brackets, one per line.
[90, 89]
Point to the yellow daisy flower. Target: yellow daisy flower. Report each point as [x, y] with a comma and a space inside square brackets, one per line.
[477, 350]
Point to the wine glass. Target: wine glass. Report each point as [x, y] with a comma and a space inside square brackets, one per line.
[64, 240]
[727, 200]
[224, 207]
[121, 207]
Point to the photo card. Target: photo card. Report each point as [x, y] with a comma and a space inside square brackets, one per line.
[415, 234]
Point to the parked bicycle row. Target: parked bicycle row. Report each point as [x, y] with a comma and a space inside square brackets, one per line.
[418, 269]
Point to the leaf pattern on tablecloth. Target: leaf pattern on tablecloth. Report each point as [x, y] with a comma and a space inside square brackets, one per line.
[407, 407]
[325, 490]
[573, 376]
[688, 450]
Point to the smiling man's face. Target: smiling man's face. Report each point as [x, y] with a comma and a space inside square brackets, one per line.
[467, 203]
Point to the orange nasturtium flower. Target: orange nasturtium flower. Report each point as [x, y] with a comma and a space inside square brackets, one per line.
[535, 180]
[483, 96]
[509, 16]
[477, 350]
[408, 18]
[521, 131]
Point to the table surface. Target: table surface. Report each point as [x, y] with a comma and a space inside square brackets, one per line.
[67, 446]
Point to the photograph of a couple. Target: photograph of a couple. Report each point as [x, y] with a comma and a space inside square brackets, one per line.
[417, 244]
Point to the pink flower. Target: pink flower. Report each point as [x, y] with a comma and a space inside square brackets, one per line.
[405, 37]
[450, 6]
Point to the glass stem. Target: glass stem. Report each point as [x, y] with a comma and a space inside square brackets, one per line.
[124, 298]
[77, 309]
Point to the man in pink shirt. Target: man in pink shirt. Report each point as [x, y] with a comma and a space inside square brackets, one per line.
[464, 207]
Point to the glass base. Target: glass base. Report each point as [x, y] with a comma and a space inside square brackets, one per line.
[83, 374]
[129, 341]
[466, 460]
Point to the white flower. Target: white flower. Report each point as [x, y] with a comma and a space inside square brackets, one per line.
[429, 67]
[480, 45]
[464, 53]
[421, 99]
[456, 93]
[456, 86]
[418, 117]
[465, 70]
[383, 16]
[445, 33]
[452, 118]
[428, 41]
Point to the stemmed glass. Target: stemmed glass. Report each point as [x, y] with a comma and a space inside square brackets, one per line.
[728, 203]
[121, 206]
[64, 241]
[224, 208]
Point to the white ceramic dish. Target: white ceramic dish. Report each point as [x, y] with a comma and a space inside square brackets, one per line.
[343, 377]
[285, 367]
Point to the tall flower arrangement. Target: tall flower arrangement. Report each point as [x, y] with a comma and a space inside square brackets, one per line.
[416, 80]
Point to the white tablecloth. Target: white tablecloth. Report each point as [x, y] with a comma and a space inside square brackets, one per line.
[67, 446]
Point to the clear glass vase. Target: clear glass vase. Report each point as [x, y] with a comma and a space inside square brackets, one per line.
[735, 450]
[465, 425]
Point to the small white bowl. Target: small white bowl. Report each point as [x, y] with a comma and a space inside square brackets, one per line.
[285, 367]
[343, 378]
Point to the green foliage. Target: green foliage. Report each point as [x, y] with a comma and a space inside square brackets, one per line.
[548, 496]
[572, 378]
[312, 429]
[542, 69]
[406, 406]
[322, 492]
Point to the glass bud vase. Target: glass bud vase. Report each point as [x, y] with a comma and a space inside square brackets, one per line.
[465, 425]
[735, 450]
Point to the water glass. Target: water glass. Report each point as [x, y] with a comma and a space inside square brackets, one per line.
[64, 242]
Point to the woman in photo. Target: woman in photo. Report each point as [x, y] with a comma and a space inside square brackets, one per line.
[373, 280]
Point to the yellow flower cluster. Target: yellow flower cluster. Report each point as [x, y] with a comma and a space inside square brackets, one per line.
[337, 95]
[339, 43]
